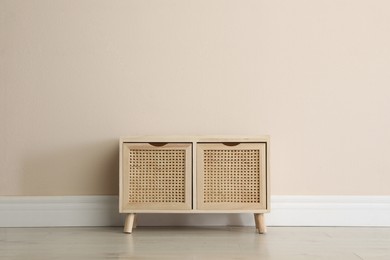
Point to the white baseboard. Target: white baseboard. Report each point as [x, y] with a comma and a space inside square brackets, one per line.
[330, 211]
[17, 211]
[51, 211]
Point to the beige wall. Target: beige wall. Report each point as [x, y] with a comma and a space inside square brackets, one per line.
[76, 75]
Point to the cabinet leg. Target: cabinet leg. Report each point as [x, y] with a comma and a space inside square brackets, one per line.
[128, 228]
[256, 223]
[260, 223]
[135, 221]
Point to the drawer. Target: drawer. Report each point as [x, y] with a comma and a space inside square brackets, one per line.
[156, 176]
[231, 176]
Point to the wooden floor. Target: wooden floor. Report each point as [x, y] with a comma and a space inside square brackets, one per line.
[195, 243]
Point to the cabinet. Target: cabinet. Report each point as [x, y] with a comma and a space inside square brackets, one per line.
[201, 174]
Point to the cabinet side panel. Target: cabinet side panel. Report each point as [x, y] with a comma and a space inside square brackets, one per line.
[123, 178]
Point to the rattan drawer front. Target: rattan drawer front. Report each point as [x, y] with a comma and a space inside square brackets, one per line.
[231, 176]
[156, 176]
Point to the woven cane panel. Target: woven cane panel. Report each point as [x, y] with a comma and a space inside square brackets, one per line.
[231, 176]
[156, 176]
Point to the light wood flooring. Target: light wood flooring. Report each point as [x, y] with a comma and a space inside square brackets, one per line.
[195, 243]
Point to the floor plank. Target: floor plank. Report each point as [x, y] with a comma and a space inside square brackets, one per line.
[195, 243]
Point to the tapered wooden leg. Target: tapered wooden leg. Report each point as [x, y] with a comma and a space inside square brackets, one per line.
[256, 222]
[260, 223]
[129, 223]
[135, 221]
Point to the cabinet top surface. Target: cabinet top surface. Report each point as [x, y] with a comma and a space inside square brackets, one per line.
[205, 138]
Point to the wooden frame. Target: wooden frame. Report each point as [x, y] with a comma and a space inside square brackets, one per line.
[194, 147]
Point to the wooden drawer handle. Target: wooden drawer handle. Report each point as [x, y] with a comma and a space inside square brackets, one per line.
[158, 144]
[231, 144]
